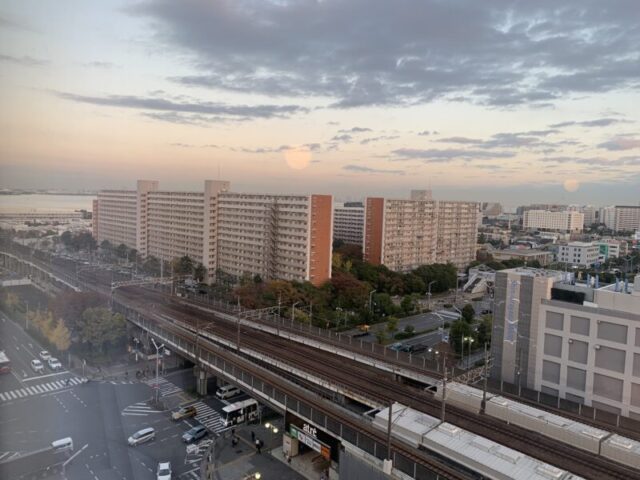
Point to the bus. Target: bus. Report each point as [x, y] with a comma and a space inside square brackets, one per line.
[5, 363]
[240, 412]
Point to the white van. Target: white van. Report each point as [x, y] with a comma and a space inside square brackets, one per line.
[141, 436]
[62, 444]
[227, 391]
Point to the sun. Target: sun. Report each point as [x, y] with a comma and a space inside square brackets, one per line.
[571, 185]
[298, 158]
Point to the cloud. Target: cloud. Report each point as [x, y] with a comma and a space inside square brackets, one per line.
[344, 138]
[434, 155]
[376, 52]
[186, 111]
[528, 139]
[25, 60]
[98, 64]
[631, 161]
[314, 147]
[620, 143]
[363, 169]
[368, 140]
[188, 145]
[355, 130]
[599, 122]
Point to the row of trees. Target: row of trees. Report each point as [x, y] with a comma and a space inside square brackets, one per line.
[78, 241]
[76, 321]
[358, 292]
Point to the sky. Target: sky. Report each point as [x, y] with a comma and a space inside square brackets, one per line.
[495, 100]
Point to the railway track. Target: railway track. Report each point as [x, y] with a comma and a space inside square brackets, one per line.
[381, 387]
[443, 469]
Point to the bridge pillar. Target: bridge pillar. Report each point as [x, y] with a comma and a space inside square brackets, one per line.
[202, 376]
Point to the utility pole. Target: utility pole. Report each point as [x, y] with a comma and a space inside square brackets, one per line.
[389, 431]
[429, 293]
[371, 300]
[484, 383]
[158, 349]
[444, 385]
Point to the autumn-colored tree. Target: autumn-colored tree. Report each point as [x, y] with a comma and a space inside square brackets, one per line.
[61, 336]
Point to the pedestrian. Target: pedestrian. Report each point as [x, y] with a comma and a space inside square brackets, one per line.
[233, 432]
[253, 436]
[258, 445]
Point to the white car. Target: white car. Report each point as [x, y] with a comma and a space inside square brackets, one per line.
[54, 363]
[44, 355]
[37, 365]
[164, 471]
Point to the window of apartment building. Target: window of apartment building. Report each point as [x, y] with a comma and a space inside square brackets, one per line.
[610, 359]
[578, 351]
[574, 398]
[580, 325]
[553, 345]
[551, 372]
[637, 337]
[636, 365]
[635, 394]
[612, 332]
[607, 387]
[554, 392]
[576, 378]
[555, 320]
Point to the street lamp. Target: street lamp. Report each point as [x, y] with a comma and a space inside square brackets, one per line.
[371, 300]
[429, 293]
[158, 349]
[293, 312]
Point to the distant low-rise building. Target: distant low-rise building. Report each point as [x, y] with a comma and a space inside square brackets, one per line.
[564, 221]
[582, 254]
[526, 255]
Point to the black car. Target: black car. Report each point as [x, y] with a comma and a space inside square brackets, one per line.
[195, 434]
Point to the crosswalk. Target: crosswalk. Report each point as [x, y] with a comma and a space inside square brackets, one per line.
[140, 409]
[39, 389]
[208, 417]
[166, 387]
[449, 315]
[191, 474]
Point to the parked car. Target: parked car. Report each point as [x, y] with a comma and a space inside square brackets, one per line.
[141, 436]
[37, 365]
[164, 471]
[194, 434]
[395, 346]
[44, 355]
[184, 412]
[54, 363]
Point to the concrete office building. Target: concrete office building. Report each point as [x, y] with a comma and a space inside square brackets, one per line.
[527, 255]
[348, 223]
[274, 236]
[569, 340]
[621, 218]
[404, 234]
[582, 254]
[565, 221]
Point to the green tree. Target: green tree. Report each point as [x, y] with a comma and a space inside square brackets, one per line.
[468, 313]
[61, 336]
[99, 328]
[122, 250]
[484, 330]
[407, 304]
[381, 336]
[457, 331]
[106, 246]
[151, 266]
[409, 329]
[392, 325]
[182, 265]
[200, 273]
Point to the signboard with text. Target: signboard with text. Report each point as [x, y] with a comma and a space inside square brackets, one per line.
[312, 437]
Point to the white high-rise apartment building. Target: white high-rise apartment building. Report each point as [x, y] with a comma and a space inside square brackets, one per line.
[404, 234]
[274, 236]
[579, 253]
[565, 221]
[348, 223]
[621, 218]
